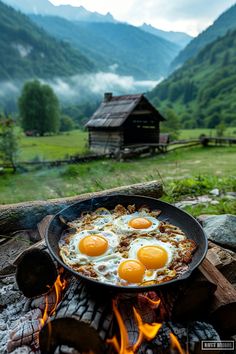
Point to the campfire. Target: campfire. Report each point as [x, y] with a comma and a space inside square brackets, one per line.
[49, 310]
[70, 316]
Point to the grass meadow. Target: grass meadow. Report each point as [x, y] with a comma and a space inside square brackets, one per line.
[75, 142]
[185, 172]
[53, 147]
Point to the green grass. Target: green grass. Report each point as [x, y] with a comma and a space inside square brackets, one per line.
[185, 172]
[75, 142]
[53, 147]
[173, 167]
[195, 133]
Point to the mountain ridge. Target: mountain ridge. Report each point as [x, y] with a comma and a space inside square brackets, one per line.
[123, 47]
[226, 21]
[46, 8]
[179, 38]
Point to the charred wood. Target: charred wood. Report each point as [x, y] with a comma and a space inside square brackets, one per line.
[36, 272]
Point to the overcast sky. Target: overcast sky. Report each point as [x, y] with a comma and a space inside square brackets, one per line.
[191, 16]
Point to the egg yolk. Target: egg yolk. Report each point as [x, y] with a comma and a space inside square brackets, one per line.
[152, 257]
[93, 245]
[132, 271]
[140, 223]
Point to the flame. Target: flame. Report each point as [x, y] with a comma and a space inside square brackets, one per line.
[45, 313]
[146, 331]
[154, 303]
[123, 348]
[175, 344]
[59, 286]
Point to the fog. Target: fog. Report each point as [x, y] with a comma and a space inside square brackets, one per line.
[80, 88]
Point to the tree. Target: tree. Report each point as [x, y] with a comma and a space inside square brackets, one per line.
[172, 124]
[8, 142]
[66, 124]
[220, 130]
[39, 108]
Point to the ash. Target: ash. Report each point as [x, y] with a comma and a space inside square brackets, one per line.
[19, 320]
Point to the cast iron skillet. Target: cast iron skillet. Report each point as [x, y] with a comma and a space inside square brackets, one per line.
[169, 213]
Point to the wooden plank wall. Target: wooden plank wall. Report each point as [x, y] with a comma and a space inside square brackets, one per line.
[105, 141]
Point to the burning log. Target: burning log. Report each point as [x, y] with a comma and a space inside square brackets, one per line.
[223, 304]
[36, 273]
[83, 319]
[83, 316]
[26, 215]
[72, 333]
[190, 301]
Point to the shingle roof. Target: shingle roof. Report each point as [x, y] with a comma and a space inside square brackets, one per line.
[113, 113]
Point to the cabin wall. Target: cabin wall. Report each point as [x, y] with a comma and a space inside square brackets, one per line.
[105, 141]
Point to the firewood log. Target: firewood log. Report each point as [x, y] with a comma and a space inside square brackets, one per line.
[83, 320]
[26, 215]
[224, 260]
[223, 304]
[35, 273]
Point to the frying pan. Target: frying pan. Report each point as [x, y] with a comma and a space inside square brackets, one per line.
[169, 213]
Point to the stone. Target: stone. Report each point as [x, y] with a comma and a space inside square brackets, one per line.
[194, 201]
[220, 229]
[215, 192]
[230, 195]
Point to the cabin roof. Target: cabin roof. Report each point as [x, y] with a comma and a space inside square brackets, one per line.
[114, 112]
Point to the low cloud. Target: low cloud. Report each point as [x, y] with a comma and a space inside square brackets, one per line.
[81, 88]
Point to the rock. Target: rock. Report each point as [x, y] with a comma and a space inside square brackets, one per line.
[194, 201]
[215, 192]
[215, 202]
[230, 195]
[220, 229]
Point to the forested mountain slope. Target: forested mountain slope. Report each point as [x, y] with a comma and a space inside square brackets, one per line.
[203, 91]
[115, 46]
[27, 51]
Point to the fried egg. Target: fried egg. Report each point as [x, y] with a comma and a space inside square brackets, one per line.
[89, 245]
[100, 218]
[153, 254]
[136, 222]
[147, 258]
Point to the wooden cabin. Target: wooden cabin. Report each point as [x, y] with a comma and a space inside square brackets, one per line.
[123, 121]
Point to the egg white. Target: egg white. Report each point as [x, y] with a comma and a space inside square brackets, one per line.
[73, 256]
[102, 218]
[122, 223]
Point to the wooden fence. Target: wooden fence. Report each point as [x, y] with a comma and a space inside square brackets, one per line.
[131, 151]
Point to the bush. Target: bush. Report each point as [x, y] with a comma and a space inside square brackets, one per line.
[70, 171]
[199, 185]
[66, 124]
